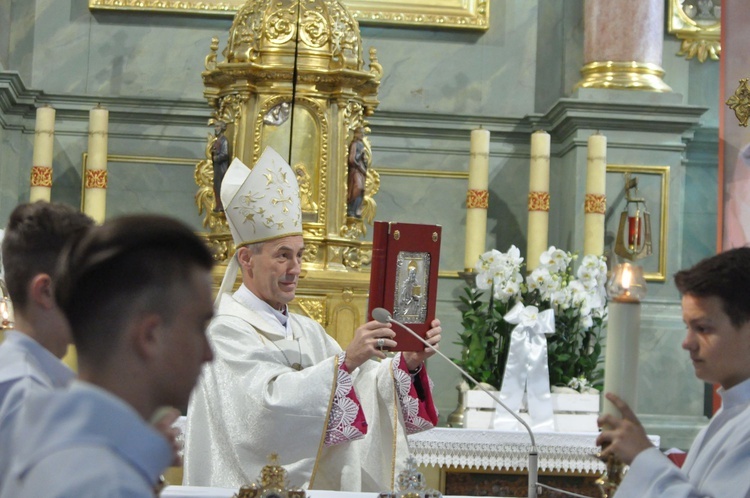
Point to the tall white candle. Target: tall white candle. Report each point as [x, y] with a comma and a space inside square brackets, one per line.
[623, 328]
[41, 167]
[477, 197]
[595, 203]
[621, 359]
[538, 199]
[95, 200]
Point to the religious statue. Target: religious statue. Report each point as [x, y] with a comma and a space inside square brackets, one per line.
[411, 292]
[358, 161]
[305, 189]
[220, 160]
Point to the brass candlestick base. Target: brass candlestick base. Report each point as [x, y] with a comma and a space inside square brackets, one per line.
[612, 477]
[469, 276]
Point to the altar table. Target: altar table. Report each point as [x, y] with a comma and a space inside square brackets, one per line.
[469, 461]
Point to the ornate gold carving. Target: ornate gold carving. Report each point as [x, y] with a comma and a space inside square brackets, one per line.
[210, 62]
[96, 178]
[623, 76]
[271, 483]
[311, 252]
[314, 308]
[698, 25]
[41, 176]
[539, 201]
[477, 199]
[461, 14]
[595, 204]
[740, 102]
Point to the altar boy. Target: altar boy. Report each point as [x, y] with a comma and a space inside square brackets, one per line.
[137, 294]
[716, 310]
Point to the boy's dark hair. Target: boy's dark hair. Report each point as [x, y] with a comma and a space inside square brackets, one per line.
[726, 276]
[128, 266]
[35, 236]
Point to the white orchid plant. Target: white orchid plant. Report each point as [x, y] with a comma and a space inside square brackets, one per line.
[577, 298]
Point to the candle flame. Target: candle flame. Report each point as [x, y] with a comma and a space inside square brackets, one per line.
[627, 277]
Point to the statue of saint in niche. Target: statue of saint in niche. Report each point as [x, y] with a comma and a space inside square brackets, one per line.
[358, 162]
[220, 160]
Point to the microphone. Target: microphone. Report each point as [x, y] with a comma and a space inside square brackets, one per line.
[382, 315]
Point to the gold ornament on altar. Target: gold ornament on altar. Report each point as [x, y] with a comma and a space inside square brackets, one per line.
[271, 484]
[411, 484]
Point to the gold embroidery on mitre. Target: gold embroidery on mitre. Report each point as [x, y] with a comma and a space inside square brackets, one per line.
[595, 204]
[41, 176]
[96, 178]
[539, 201]
[477, 199]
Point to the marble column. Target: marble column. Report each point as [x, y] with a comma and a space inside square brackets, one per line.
[623, 42]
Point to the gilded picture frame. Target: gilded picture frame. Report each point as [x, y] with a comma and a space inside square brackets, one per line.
[169, 185]
[698, 24]
[653, 186]
[458, 14]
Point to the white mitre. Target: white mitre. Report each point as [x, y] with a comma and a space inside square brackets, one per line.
[260, 204]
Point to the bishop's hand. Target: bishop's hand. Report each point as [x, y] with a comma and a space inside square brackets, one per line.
[369, 340]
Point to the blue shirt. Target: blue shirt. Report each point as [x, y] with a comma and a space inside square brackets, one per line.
[21, 357]
[83, 442]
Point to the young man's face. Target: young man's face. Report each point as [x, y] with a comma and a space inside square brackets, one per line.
[720, 351]
[272, 274]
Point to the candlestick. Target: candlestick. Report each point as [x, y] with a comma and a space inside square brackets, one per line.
[595, 205]
[477, 197]
[626, 289]
[95, 200]
[538, 202]
[41, 167]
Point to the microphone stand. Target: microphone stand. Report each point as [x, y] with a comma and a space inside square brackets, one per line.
[384, 316]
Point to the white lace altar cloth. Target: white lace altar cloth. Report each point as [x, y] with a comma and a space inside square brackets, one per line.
[484, 449]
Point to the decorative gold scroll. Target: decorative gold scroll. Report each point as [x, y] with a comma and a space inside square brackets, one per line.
[458, 14]
[698, 25]
[739, 102]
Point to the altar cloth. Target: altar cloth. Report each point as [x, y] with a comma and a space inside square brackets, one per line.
[487, 449]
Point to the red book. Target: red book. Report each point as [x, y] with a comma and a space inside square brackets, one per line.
[404, 275]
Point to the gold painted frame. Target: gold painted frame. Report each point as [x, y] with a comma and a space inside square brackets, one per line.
[654, 187]
[144, 160]
[460, 14]
[698, 25]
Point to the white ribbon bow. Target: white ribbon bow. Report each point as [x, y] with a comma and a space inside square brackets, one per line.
[527, 369]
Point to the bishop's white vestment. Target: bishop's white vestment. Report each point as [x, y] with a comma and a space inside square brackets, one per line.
[330, 429]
